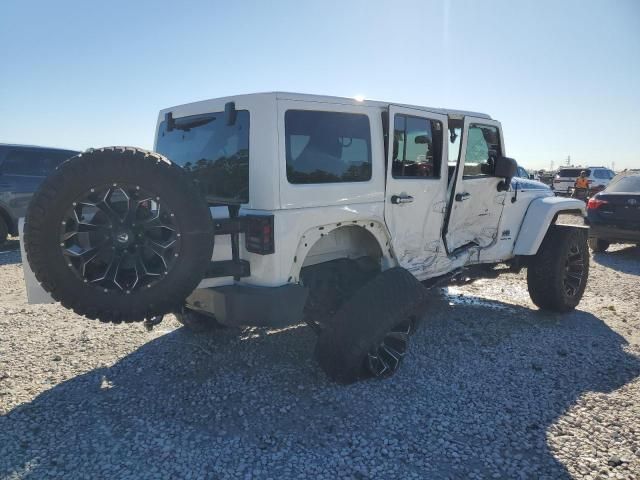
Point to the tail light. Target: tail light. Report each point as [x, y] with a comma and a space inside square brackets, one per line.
[258, 235]
[595, 203]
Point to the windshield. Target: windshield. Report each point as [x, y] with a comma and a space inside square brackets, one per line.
[215, 154]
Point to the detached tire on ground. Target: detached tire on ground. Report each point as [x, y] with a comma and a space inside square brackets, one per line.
[119, 234]
[369, 334]
[598, 245]
[557, 275]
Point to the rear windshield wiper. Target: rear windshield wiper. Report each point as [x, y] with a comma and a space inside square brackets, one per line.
[173, 124]
[186, 126]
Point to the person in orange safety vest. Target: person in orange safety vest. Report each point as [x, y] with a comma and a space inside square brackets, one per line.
[582, 181]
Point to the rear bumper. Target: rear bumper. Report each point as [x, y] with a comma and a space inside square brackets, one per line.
[236, 305]
[612, 233]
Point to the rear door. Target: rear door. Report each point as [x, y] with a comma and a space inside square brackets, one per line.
[475, 205]
[416, 185]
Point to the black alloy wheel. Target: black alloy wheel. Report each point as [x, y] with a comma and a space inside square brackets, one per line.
[120, 237]
[384, 359]
[574, 270]
[119, 234]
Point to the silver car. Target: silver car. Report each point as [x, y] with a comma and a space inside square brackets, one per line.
[565, 179]
[22, 169]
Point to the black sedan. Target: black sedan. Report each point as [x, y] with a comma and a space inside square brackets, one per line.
[614, 213]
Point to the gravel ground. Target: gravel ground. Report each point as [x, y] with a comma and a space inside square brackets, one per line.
[492, 388]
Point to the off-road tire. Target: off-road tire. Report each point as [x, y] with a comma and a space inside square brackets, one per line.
[546, 272]
[391, 298]
[197, 322]
[4, 231]
[332, 283]
[598, 245]
[126, 165]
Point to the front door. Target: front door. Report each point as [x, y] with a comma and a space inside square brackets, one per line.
[416, 185]
[475, 205]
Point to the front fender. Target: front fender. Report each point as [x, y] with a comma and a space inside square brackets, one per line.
[538, 218]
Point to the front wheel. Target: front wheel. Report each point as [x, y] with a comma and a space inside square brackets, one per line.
[557, 275]
[119, 234]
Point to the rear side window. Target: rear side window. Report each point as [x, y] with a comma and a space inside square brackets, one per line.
[327, 147]
[603, 174]
[33, 163]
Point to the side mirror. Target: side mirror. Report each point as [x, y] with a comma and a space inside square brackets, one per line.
[421, 140]
[532, 176]
[506, 168]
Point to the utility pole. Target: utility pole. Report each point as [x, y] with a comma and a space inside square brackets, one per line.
[613, 166]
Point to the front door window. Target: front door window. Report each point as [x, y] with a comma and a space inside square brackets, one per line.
[483, 148]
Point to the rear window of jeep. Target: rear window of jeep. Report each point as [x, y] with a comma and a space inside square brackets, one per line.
[327, 147]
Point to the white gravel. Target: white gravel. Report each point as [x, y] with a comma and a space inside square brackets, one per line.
[492, 388]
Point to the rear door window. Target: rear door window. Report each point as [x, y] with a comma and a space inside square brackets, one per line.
[327, 147]
[33, 162]
[416, 147]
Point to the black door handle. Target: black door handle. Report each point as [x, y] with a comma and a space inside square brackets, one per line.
[461, 197]
[399, 199]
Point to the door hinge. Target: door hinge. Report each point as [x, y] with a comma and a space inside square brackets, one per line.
[440, 207]
[433, 247]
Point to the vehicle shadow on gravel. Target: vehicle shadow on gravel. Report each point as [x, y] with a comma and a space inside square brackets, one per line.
[10, 252]
[478, 393]
[625, 260]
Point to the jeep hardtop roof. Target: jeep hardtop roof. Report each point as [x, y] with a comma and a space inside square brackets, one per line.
[451, 113]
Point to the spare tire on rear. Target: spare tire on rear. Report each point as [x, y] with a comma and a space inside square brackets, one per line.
[119, 234]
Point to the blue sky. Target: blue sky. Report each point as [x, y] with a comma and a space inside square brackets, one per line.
[563, 77]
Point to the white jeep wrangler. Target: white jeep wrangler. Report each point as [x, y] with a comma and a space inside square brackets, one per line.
[330, 210]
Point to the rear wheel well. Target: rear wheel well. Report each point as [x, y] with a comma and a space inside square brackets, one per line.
[349, 241]
[335, 267]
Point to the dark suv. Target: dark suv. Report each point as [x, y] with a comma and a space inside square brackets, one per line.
[22, 169]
